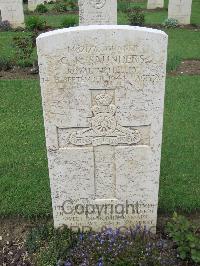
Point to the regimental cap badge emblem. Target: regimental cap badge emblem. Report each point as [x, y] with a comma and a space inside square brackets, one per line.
[104, 130]
[98, 4]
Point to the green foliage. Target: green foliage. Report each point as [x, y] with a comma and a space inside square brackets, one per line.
[67, 5]
[5, 63]
[24, 47]
[170, 23]
[136, 17]
[173, 62]
[71, 5]
[35, 23]
[36, 237]
[123, 6]
[60, 7]
[69, 21]
[41, 8]
[186, 238]
[50, 244]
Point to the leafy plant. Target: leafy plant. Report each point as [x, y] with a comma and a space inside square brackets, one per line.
[136, 16]
[5, 63]
[186, 237]
[24, 47]
[50, 244]
[5, 25]
[35, 23]
[71, 5]
[60, 7]
[41, 8]
[69, 21]
[170, 23]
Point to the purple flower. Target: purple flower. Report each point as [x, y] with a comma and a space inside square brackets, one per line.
[100, 262]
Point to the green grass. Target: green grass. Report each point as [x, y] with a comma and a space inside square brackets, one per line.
[24, 180]
[180, 168]
[183, 44]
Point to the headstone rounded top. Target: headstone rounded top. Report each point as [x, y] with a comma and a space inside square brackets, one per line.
[100, 27]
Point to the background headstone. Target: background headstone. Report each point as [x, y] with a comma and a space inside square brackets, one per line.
[12, 11]
[103, 99]
[152, 4]
[180, 10]
[97, 12]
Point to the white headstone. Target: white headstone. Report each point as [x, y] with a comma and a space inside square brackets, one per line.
[13, 12]
[103, 99]
[97, 12]
[180, 10]
[152, 4]
[32, 4]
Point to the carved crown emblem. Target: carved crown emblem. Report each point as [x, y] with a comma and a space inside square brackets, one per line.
[104, 104]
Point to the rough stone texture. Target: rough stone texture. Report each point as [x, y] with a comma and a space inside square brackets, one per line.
[103, 100]
[97, 12]
[12, 11]
[180, 10]
[32, 4]
[152, 4]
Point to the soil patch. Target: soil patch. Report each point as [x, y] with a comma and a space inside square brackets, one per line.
[12, 241]
[187, 67]
[18, 73]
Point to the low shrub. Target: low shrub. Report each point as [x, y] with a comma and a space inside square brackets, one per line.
[41, 9]
[185, 235]
[5, 26]
[60, 7]
[49, 244]
[71, 5]
[136, 17]
[24, 48]
[69, 21]
[170, 23]
[35, 23]
[5, 63]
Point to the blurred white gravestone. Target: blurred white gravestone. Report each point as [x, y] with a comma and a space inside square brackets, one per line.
[97, 12]
[152, 4]
[180, 10]
[12, 11]
[32, 4]
[103, 99]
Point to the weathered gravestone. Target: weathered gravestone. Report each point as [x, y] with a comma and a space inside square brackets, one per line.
[12, 11]
[180, 10]
[103, 96]
[97, 12]
[152, 4]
